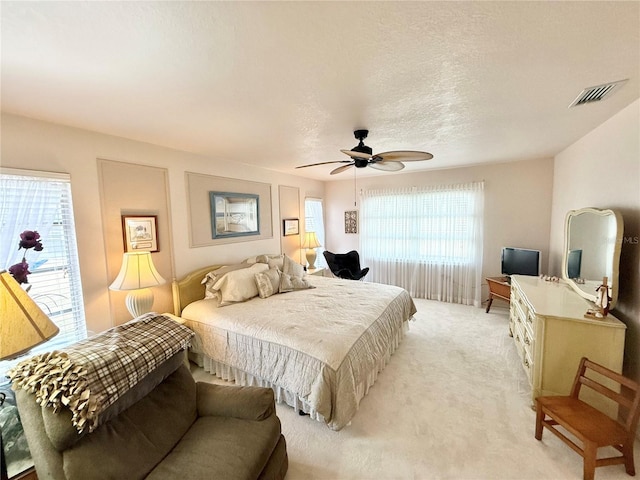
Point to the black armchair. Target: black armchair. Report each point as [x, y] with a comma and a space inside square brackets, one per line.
[345, 265]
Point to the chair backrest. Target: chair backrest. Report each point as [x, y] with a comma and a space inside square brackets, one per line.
[345, 265]
[628, 397]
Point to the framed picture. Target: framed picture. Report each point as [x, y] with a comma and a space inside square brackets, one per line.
[290, 226]
[351, 221]
[140, 233]
[234, 214]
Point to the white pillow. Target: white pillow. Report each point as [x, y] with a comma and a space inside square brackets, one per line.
[268, 282]
[239, 285]
[264, 258]
[276, 261]
[293, 268]
[213, 276]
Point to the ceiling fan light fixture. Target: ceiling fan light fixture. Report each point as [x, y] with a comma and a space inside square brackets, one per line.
[362, 156]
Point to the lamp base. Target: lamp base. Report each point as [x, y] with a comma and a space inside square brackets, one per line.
[139, 301]
[311, 258]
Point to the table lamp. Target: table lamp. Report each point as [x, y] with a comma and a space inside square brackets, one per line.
[137, 274]
[23, 325]
[311, 243]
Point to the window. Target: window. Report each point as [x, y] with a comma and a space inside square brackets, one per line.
[41, 201]
[314, 222]
[427, 240]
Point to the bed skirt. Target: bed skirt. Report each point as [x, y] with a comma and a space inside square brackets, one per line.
[282, 395]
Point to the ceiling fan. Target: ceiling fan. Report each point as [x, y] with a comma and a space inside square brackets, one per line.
[362, 156]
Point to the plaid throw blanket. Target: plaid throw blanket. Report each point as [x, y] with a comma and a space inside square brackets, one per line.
[92, 374]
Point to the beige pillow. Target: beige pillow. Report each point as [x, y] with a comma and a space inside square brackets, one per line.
[264, 258]
[277, 261]
[239, 285]
[268, 282]
[213, 276]
[289, 283]
[293, 268]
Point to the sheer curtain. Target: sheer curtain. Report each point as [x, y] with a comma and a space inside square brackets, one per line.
[314, 222]
[427, 240]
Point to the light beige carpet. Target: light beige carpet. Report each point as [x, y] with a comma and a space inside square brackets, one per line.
[452, 403]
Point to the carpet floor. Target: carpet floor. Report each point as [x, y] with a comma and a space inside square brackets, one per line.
[453, 403]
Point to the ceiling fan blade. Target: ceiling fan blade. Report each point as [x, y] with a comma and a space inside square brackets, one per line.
[341, 169]
[387, 166]
[323, 163]
[404, 156]
[353, 154]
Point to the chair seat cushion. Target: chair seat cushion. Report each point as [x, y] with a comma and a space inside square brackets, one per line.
[221, 447]
[583, 420]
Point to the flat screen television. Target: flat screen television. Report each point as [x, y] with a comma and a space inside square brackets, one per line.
[520, 261]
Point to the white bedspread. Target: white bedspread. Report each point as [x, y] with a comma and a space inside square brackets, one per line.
[325, 344]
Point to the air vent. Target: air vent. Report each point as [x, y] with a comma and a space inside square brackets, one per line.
[597, 93]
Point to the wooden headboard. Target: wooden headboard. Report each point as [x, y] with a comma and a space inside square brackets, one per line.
[189, 289]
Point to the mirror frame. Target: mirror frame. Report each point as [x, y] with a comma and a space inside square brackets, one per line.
[613, 281]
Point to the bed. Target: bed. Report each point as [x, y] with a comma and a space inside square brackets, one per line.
[320, 349]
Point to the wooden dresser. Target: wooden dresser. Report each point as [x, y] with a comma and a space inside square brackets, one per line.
[551, 334]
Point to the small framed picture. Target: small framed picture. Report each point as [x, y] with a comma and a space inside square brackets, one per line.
[351, 221]
[290, 226]
[140, 233]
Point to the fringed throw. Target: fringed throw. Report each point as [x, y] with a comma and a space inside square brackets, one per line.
[91, 375]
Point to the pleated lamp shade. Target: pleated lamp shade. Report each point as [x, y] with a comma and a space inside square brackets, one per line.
[137, 274]
[23, 325]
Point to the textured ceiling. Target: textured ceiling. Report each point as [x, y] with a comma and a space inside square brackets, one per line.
[282, 84]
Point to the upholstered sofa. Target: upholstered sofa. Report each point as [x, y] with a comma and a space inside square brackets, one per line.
[166, 427]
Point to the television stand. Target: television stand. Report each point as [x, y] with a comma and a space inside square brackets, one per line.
[499, 287]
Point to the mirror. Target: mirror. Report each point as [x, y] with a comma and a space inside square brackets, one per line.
[234, 214]
[592, 242]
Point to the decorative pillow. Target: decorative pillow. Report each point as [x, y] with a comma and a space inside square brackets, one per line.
[264, 258]
[213, 276]
[289, 283]
[239, 285]
[277, 261]
[268, 282]
[291, 267]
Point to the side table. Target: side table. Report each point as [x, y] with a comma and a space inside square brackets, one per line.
[316, 271]
[499, 287]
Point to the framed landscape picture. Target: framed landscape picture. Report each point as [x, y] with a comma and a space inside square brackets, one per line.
[140, 233]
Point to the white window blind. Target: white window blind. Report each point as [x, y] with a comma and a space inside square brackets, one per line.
[41, 201]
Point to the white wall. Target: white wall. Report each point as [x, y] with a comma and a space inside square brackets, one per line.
[37, 145]
[602, 170]
[517, 205]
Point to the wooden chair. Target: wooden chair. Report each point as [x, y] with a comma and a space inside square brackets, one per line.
[592, 427]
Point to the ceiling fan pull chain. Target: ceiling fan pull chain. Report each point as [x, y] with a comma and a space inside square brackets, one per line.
[355, 190]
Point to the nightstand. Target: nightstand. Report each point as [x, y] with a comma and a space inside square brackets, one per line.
[499, 287]
[316, 271]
